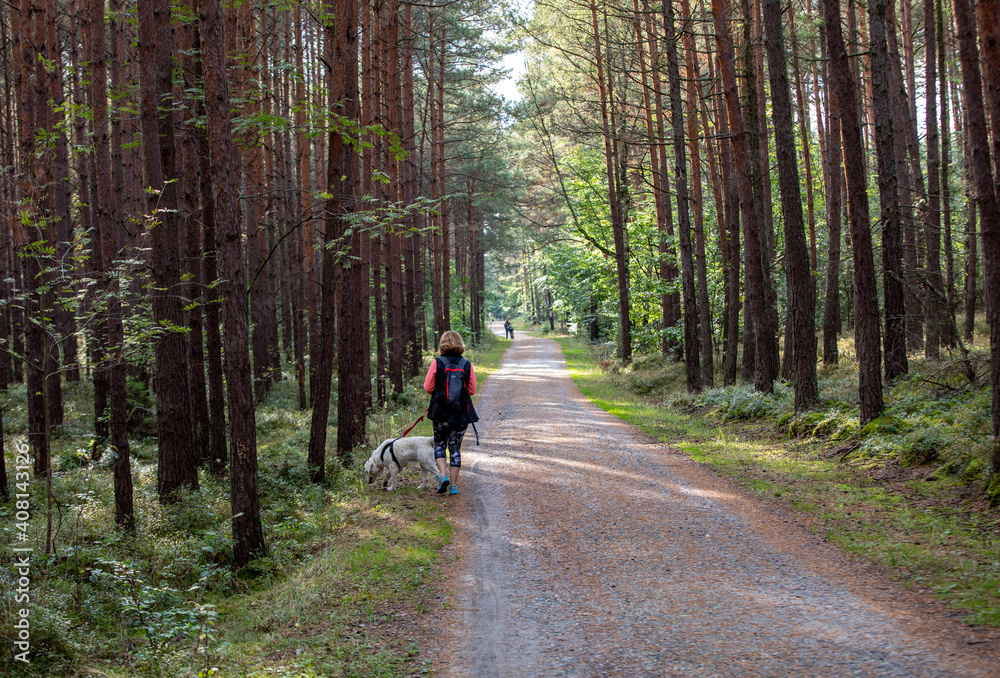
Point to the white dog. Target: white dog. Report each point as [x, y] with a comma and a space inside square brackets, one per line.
[393, 455]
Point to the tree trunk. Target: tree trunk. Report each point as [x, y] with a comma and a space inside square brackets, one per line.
[173, 395]
[217, 453]
[866, 322]
[885, 149]
[28, 33]
[932, 226]
[757, 294]
[443, 185]
[804, 133]
[988, 12]
[971, 256]
[394, 269]
[756, 131]
[692, 363]
[303, 269]
[617, 226]
[341, 55]
[947, 300]
[658, 170]
[354, 343]
[731, 253]
[693, 95]
[801, 299]
[106, 232]
[191, 230]
[414, 294]
[911, 255]
[247, 530]
[834, 180]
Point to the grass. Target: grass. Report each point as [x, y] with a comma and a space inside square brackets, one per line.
[347, 571]
[877, 493]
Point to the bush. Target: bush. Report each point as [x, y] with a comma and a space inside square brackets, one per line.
[993, 491]
[744, 402]
[923, 447]
[885, 425]
[141, 408]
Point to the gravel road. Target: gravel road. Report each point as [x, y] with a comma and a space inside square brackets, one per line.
[584, 548]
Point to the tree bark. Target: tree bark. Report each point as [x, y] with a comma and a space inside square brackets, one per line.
[801, 299]
[730, 243]
[692, 362]
[411, 189]
[191, 230]
[885, 149]
[932, 225]
[757, 289]
[173, 395]
[27, 30]
[834, 180]
[866, 322]
[947, 301]
[106, 232]
[804, 133]
[617, 226]
[302, 240]
[658, 170]
[247, 530]
[341, 55]
[988, 13]
[353, 347]
[693, 95]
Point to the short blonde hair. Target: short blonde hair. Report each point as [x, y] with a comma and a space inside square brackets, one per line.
[451, 343]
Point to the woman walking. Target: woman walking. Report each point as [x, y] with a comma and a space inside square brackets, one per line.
[451, 381]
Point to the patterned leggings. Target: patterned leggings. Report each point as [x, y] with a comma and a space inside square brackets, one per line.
[449, 436]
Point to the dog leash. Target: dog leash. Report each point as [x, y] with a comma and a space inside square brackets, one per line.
[407, 431]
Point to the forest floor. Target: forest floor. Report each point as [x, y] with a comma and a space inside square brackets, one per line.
[585, 547]
[340, 592]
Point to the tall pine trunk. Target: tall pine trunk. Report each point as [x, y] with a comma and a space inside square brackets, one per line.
[988, 12]
[692, 363]
[617, 225]
[866, 321]
[106, 231]
[173, 410]
[801, 299]
[764, 370]
[885, 149]
[932, 226]
[248, 533]
[353, 347]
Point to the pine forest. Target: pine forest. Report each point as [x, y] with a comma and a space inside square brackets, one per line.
[233, 232]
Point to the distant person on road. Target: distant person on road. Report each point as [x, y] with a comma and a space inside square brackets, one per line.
[508, 329]
[451, 382]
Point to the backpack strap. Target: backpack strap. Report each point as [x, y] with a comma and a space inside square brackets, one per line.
[439, 374]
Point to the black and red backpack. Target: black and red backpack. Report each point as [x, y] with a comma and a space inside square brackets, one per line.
[450, 401]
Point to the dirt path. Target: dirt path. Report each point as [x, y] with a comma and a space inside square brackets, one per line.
[583, 548]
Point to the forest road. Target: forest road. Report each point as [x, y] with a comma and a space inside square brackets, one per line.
[584, 548]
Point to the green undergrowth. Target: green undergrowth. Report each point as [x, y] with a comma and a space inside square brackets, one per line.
[346, 574]
[908, 491]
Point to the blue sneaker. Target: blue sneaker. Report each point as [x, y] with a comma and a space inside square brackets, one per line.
[453, 490]
[444, 483]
